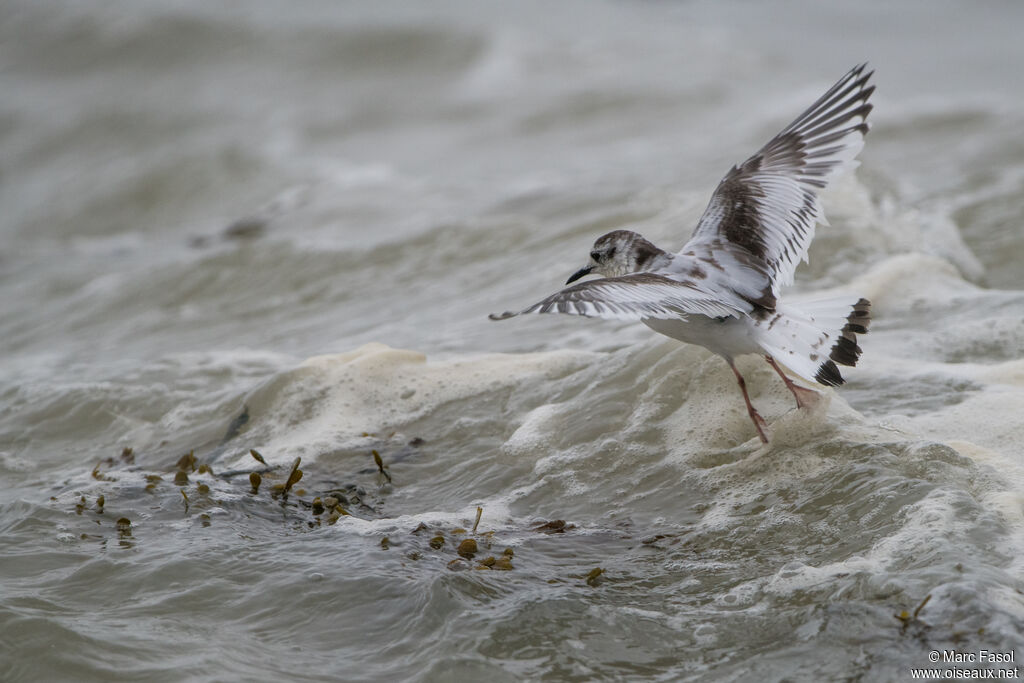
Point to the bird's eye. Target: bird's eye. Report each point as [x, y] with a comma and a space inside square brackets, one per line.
[596, 255]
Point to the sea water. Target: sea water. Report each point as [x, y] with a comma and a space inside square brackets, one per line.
[257, 227]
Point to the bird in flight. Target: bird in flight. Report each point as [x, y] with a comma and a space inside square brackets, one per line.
[722, 289]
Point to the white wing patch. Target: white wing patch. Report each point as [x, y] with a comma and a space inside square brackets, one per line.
[634, 297]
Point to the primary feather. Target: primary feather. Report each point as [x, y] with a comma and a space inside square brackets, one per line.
[766, 208]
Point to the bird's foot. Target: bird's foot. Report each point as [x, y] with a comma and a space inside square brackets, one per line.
[804, 396]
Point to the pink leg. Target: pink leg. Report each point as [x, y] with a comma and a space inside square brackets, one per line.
[796, 390]
[759, 422]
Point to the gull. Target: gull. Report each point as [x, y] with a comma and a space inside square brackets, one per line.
[721, 290]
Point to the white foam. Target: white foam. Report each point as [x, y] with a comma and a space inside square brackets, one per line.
[884, 227]
[933, 311]
[797, 576]
[329, 402]
[910, 280]
[536, 428]
[496, 517]
[989, 419]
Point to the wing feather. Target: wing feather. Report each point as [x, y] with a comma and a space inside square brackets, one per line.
[633, 297]
[768, 206]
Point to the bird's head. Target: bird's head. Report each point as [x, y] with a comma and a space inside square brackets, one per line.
[618, 252]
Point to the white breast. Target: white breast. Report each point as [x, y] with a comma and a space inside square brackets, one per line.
[729, 337]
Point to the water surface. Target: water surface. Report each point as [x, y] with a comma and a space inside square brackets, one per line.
[248, 227]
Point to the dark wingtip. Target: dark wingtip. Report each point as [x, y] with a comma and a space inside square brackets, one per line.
[828, 374]
[859, 319]
[846, 351]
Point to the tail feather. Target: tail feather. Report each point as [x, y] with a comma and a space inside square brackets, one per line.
[814, 338]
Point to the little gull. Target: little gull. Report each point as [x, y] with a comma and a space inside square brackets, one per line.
[721, 290]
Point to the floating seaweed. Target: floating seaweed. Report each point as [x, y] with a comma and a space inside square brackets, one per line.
[245, 228]
[908, 619]
[187, 462]
[337, 514]
[503, 563]
[124, 527]
[327, 502]
[593, 578]
[294, 476]
[555, 526]
[381, 467]
[97, 475]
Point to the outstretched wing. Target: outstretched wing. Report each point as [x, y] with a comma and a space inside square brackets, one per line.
[634, 297]
[768, 206]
